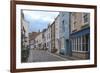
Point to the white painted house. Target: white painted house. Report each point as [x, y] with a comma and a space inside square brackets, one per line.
[24, 32]
[57, 33]
[48, 38]
[39, 41]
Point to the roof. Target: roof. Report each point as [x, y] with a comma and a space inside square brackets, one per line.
[33, 35]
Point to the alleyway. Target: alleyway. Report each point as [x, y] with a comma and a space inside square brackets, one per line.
[43, 56]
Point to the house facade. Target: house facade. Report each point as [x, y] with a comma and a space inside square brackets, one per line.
[24, 32]
[57, 34]
[39, 41]
[32, 41]
[80, 34]
[53, 37]
[64, 33]
[68, 34]
[48, 38]
[44, 38]
[24, 39]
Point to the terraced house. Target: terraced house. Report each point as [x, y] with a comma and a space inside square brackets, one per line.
[48, 38]
[24, 38]
[32, 41]
[39, 41]
[57, 33]
[44, 38]
[64, 33]
[53, 49]
[67, 35]
[80, 34]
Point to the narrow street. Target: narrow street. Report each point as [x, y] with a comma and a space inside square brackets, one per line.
[43, 56]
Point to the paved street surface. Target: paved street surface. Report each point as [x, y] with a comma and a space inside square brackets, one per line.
[43, 56]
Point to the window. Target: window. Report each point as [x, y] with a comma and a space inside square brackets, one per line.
[63, 26]
[74, 43]
[49, 35]
[43, 35]
[78, 43]
[75, 24]
[63, 14]
[86, 18]
[85, 43]
[62, 43]
[73, 21]
[81, 43]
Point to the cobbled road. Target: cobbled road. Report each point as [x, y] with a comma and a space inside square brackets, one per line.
[43, 56]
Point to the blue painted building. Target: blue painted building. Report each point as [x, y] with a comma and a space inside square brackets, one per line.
[64, 33]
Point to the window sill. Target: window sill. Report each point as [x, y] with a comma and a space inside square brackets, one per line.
[80, 51]
[85, 26]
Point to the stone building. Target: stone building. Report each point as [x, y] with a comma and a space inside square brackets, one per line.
[80, 34]
[44, 39]
[24, 32]
[39, 41]
[48, 38]
[53, 37]
[24, 39]
[32, 41]
[57, 34]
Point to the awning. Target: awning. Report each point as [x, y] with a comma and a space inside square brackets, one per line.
[80, 33]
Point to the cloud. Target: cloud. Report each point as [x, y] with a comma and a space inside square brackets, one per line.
[38, 20]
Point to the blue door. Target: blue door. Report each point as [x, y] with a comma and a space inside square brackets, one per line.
[68, 50]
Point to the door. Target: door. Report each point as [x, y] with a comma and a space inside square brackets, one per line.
[68, 50]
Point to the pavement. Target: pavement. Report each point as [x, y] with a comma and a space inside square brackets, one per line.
[69, 57]
[44, 56]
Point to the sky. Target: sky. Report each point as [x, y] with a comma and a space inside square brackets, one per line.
[39, 20]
